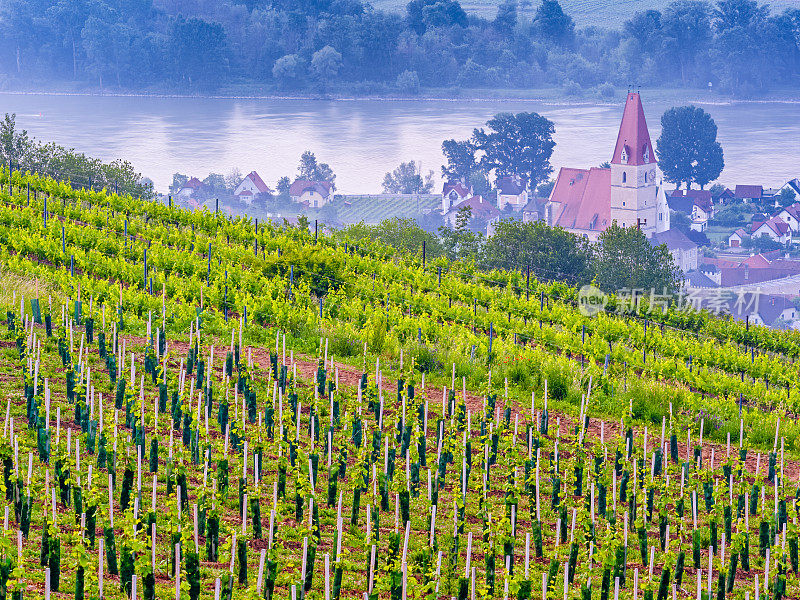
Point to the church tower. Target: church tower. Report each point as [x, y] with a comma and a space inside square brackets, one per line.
[634, 193]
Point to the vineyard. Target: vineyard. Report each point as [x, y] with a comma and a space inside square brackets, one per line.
[205, 407]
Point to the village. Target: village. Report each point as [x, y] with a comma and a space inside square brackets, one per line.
[729, 242]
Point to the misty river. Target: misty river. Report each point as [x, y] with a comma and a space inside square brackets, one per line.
[363, 139]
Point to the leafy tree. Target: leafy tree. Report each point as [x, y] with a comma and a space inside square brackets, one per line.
[544, 189]
[14, 143]
[506, 19]
[424, 14]
[311, 170]
[461, 161]
[288, 71]
[408, 82]
[625, 259]
[199, 48]
[686, 27]
[325, 64]
[554, 24]
[461, 243]
[688, 150]
[282, 187]
[518, 144]
[406, 179]
[786, 197]
[550, 252]
[178, 181]
[401, 233]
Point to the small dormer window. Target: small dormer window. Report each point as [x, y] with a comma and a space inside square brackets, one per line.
[646, 154]
[624, 156]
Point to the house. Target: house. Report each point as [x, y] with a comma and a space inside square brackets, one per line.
[765, 309]
[698, 279]
[774, 228]
[250, 187]
[314, 194]
[481, 209]
[587, 201]
[749, 193]
[793, 185]
[791, 216]
[737, 238]
[754, 269]
[190, 188]
[454, 192]
[696, 204]
[534, 210]
[682, 249]
[724, 197]
[511, 191]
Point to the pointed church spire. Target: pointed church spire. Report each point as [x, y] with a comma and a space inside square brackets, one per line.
[633, 142]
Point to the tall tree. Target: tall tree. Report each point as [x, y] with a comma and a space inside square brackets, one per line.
[520, 144]
[506, 19]
[686, 27]
[406, 179]
[554, 24]
[325, 64]
[461, 161]
[688, 150]
[550, 252]
[14, 143]
[312, 170]
[624, 259]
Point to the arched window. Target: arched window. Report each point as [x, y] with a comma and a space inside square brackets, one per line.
[646, 153]
[624, 177]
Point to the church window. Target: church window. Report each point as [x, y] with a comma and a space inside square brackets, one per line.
[624, 156]
[624, 177]
[623, 203]
[646, 153]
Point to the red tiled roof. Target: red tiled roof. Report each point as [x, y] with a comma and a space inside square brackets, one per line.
[258, 182]
[459, 187]
[323, 188]
[585, 196]
[480, 208]
[511, 186]
[778, 225]
[757, 261]
[633, 135]
[748, 191]
[194, 183]
[792, 209]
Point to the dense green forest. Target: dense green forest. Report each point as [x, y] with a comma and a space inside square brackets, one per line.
[347, 46]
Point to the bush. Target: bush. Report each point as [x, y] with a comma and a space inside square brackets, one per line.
[427, 360]
[408, 82]
[572, 88]
[606, 91]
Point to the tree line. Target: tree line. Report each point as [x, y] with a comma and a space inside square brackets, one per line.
[322, 46]
[622, 258]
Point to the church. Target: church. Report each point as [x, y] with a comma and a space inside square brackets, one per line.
[587, 201]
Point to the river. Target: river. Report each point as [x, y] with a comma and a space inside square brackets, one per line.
[363, 139]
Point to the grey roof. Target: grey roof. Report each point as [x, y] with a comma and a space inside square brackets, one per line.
[674, 240]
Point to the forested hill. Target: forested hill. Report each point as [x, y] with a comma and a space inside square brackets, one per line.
[318, 47]
[611, 14]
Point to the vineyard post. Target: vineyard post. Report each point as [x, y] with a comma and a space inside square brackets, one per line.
[528, 285]
[44, 212]
[145, 269]
[423, 254]
[491, 335]
[170, 200]
[216, 206]
[208, 273]
[63, 243]
[72, 265]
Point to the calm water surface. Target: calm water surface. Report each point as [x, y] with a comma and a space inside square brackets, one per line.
[363, 139]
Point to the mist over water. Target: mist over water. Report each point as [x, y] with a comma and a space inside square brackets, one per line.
[363, 139]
